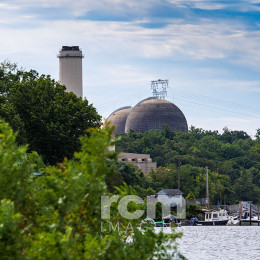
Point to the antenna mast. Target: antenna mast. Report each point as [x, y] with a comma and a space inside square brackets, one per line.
[159, 88]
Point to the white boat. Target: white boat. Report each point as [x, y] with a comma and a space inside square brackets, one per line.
[171, 219]
[233, 220]
[214, 217]
[245, 220]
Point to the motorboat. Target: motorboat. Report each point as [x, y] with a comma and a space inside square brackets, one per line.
[254, 221]
[214, 217]
[233, 220]
[167, 221]
[171, 220]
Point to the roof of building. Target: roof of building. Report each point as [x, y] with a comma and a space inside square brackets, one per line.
[118, 118]
[153, 114]
[70, 48]
[134, 155]
[171, 192]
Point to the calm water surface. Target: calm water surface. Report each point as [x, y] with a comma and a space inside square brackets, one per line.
[223, 242]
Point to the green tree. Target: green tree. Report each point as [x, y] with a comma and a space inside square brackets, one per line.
[190, 196]
[123, 173]
[245, 188]
[257, 135]
[57, 215]
[46, 117]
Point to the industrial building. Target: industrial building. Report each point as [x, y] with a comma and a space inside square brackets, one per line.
[118, 118]
[143, 161]
[70, 69]
[149, 114]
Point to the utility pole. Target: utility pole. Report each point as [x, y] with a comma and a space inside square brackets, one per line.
[240, 212]
[250, 214]
[179, 173]
[258, 214]
[207, 185]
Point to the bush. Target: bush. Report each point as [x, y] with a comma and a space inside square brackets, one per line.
[57, 215]
[190, 196]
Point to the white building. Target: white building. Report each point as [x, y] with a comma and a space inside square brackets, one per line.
[172, 197]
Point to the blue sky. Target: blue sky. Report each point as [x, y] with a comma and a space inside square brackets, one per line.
[209, 51]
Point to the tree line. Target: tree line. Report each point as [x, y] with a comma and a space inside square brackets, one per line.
[233, 158]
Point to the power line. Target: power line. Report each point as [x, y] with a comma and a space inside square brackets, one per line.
[227, 112]
[218, 108]
[216, 101]
[218, 105]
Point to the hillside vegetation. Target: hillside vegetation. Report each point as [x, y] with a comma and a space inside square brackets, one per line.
[233, 158]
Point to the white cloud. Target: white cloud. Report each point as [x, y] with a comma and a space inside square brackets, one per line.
[200, 4]
[254, 1]
[81, 7]
[209, 6]
[7, 6]
[205, 40]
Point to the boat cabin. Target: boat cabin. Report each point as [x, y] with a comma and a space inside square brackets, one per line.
[216, 215]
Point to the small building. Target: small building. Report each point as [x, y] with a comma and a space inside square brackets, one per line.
[171, 197]
[143, 161]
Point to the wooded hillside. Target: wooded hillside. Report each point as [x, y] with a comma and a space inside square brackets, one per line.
[233, 158]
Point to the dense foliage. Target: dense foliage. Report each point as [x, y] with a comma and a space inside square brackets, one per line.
[233, 158]
[46, 117]
[57, 215]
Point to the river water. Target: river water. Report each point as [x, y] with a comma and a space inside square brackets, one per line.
[220, 242]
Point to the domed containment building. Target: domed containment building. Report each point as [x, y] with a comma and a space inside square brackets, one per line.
[149, 114]
[153, 114]
[118, 118]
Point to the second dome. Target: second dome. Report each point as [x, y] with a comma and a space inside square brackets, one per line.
[153, 114]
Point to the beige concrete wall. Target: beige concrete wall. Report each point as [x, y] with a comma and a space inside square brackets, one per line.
[70, 74]
[143, 161]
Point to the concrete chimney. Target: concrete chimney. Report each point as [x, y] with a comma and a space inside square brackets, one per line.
[70, 65]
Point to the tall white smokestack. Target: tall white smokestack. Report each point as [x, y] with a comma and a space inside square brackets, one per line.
[70, 59]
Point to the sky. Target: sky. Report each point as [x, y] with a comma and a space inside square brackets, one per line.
[208, 50]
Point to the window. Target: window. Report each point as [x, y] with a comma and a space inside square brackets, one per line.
[215, 215]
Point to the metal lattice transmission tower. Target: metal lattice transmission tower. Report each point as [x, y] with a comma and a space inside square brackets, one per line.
[159, 88]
